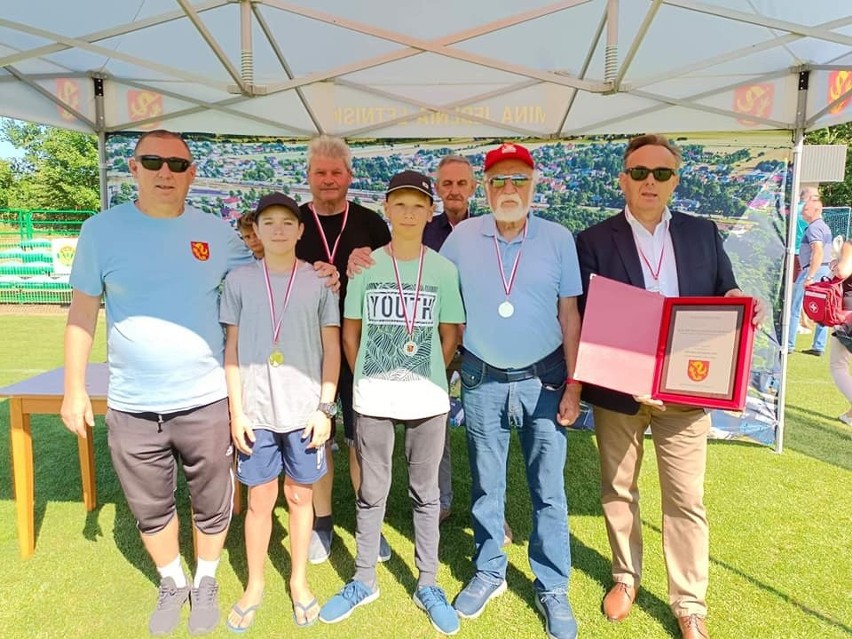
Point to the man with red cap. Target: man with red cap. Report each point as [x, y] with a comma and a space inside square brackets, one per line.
[519, 277]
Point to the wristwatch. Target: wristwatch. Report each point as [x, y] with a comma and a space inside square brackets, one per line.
[329, 409]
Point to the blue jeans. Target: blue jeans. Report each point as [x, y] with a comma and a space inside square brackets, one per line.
[491, 408]
[820, 331]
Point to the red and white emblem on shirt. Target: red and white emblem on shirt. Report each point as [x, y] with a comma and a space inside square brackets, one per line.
[200, 251]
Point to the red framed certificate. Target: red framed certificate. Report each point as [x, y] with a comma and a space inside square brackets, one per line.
[683, 350]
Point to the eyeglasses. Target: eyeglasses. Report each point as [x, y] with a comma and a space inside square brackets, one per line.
[155, 162]
[639, 173]
[499, 181]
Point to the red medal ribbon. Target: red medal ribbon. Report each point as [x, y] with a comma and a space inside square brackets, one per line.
[654, 274]
[276, 327]
[330, 253]
[409, 327]
[507, 286]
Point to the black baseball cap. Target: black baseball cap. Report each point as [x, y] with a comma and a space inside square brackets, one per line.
[411, 180]
[277, 199]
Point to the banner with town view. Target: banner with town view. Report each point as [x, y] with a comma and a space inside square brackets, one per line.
[742, 184]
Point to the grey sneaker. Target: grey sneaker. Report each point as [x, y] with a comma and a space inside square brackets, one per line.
[320, 546]
[166, 615]
[384, 549]
[204, 601]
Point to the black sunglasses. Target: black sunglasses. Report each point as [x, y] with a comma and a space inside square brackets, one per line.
[155, 162]
[639, 173]
[499, 181]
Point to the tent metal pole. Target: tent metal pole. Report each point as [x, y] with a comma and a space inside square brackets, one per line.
[100, 129]
[792, 219]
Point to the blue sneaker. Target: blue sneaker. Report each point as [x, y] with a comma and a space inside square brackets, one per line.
[442, 615]
[559, 619]
[470, 602]
[320, 546]
[339, 607]
[384, 549]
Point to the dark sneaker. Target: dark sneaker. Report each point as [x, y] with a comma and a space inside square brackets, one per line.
[812, 351]
[384, 549]
[339, 607]
[204, 601]
[470, 602]
[559, 619]
[166, 615]
[443, 616]
[320, 546]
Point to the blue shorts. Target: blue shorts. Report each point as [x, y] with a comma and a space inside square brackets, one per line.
[274, 452]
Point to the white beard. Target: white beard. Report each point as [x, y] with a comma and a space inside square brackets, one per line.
[509, 214]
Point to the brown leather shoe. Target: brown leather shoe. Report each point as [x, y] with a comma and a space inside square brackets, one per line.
[618, 601]
[693, 627]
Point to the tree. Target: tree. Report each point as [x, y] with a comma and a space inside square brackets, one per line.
[59, 169]
[836, 193]
[6, 183]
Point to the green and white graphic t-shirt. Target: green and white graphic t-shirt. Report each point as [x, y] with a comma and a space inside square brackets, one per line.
[399, 375]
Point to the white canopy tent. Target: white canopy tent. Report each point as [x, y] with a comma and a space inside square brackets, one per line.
[439, 69]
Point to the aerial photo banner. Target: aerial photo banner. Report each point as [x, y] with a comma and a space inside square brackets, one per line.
[742, 183]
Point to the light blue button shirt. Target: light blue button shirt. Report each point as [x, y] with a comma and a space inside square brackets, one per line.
[547, 270]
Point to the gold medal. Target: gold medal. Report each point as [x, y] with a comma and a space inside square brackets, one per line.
[276, 358]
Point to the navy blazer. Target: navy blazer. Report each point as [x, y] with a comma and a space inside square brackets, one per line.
[608, 249]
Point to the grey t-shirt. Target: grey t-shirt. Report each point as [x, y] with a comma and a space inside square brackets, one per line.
[279, 398]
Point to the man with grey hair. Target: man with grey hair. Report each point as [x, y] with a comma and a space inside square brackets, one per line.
[334, 227]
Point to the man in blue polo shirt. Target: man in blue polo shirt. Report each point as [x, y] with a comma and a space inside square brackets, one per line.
[814, 258]
[520, 280]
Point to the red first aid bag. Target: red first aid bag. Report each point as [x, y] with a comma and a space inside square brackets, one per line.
[823, 302]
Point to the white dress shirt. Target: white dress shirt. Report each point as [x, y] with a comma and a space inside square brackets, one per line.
[658, 252]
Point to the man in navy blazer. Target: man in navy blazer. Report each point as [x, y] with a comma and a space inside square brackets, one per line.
[675, 254]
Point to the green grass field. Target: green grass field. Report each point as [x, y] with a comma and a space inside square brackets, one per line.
[781, 535]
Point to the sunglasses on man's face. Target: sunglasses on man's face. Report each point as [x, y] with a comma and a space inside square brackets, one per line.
[155, 163]
[499, 181]
[639, 173]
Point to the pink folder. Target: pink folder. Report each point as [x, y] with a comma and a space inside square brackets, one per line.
[619, 338]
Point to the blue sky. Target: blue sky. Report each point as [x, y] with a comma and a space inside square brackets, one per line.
[8, 151]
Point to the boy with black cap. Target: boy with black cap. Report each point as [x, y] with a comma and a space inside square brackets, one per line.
[400, 331]
[282, 358]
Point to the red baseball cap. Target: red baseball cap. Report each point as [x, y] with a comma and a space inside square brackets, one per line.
[508, 151]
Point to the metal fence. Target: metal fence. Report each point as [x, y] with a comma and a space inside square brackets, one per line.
[838, 220]
[29, 270]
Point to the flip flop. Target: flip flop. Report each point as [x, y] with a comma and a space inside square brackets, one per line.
[313, 603]
[242, 614]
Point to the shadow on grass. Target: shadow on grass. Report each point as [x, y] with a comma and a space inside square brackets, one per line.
[816, 614]
[809, 433]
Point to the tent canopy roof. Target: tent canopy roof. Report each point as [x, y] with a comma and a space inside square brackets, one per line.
[400, 68]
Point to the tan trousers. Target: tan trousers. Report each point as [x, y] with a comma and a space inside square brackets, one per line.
[680, 441]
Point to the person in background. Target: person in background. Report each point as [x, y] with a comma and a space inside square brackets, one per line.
[841, 340]
[245, 226]
[814, 258]
[334, 227]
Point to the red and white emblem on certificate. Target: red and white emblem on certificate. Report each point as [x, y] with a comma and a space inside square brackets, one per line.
[698, 369]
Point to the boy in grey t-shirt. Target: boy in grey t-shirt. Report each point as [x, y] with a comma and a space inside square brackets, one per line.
[282, 359]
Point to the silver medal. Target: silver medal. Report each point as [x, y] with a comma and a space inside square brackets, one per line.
[506, 309]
